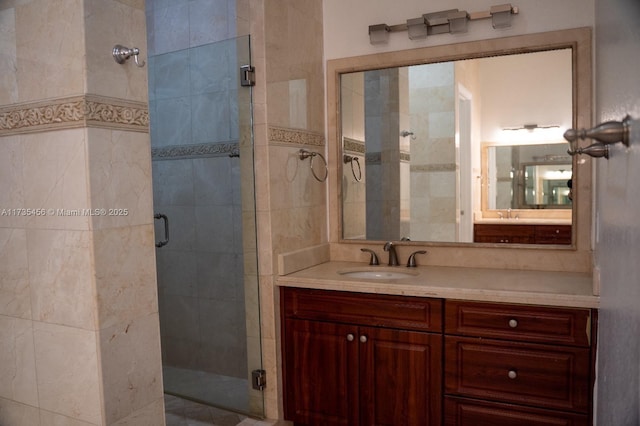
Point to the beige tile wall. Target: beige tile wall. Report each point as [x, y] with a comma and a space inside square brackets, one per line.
[83, 168]
[288, 102]
[78, 304]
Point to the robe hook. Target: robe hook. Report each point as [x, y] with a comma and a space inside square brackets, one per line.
[121, 54]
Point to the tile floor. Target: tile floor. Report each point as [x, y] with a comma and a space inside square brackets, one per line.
[181, 412]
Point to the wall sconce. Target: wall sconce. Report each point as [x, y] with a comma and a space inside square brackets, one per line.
[379, 33]
[417, 28]
[447, 21]
[458, 22]
[501, 16]
[438, 22]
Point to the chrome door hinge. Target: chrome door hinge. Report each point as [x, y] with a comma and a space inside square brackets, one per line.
[259, 379]
[247, 75]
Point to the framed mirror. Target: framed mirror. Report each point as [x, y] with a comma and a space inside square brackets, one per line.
[407, 131]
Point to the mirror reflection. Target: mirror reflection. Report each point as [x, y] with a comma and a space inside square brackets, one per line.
[526, 177]
[418, 143]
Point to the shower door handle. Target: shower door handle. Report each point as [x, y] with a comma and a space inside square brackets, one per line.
[166, 229]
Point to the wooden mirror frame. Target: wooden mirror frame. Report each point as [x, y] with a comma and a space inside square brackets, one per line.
[574, 258]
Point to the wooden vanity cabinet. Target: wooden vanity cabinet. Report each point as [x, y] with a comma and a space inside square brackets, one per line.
[517, 365]
[361, 359]
[368, 359]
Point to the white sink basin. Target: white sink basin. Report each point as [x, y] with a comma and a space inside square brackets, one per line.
[378, 273]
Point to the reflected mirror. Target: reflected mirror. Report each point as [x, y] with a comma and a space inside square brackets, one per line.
[527, 177]
[432, 151]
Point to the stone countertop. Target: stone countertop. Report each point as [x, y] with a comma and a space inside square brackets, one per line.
[524, 221]
[568, 289]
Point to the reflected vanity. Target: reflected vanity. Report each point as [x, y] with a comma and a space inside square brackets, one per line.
[532, 180]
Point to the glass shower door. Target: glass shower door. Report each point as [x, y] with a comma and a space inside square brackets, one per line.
[202, 153]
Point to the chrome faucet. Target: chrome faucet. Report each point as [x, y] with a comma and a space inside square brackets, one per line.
[393, 256]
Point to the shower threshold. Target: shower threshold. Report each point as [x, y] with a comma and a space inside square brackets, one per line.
[228, 393]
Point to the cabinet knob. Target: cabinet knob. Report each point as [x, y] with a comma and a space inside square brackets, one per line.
[363, 339]
[513, 323]
[512, 374]
[350, 337]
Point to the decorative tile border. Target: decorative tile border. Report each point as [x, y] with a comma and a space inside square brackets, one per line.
[353, 145]
[356, 146]
[295, 136]
[178, 152]
[74, 112]
[452, 167]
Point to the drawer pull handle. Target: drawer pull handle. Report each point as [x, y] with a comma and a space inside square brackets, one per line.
[350, 337]
[512, 374]
[363, 339]
[513, 323]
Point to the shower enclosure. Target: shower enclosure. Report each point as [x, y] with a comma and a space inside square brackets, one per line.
[203, 186]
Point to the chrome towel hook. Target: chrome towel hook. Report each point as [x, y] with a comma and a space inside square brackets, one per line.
[121, 54]
[304, 154]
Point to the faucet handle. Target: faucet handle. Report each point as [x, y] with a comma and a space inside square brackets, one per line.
[374, 258]
[411, 263]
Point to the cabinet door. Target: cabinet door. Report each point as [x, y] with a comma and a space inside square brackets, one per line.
[400, 377]
[321, 373]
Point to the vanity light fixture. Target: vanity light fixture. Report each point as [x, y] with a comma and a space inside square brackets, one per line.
[458, 22]
[501, 16]
[530, 133]
[451, 21]
[438, 22]
[417, 28]
[532, 126]
[379, 33]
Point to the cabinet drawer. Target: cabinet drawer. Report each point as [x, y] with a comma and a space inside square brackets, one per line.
[409, 313]
[526, 323]
[553, 234]
[465, 412]
[522, 373]
[514, 234]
